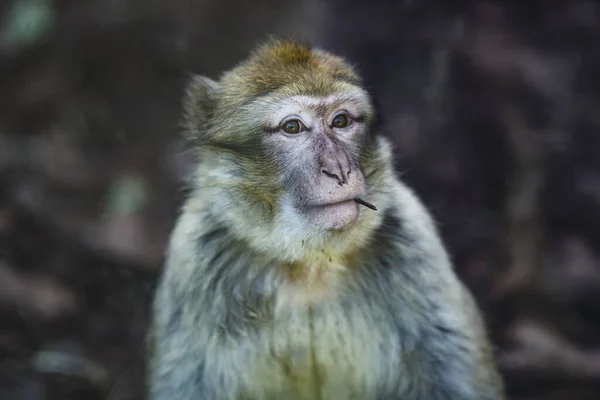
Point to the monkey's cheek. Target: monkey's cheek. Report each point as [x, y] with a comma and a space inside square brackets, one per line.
[334, 216]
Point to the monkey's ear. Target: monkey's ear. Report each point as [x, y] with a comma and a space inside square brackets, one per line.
[199, 103]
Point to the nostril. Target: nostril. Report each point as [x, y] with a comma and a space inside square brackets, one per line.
[332, 176]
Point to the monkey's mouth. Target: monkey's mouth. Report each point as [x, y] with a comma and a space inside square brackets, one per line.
[354, 199]
[333, 204]
[334, 216]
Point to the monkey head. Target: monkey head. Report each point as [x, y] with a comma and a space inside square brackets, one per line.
[283, 142]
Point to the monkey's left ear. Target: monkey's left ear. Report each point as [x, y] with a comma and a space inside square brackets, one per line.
[199, 103]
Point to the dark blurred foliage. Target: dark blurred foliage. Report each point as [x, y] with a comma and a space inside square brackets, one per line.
[494, 108]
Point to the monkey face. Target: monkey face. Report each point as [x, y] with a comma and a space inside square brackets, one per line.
[285, 152]
[316, 142]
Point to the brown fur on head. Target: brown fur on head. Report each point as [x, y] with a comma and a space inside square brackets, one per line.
[278, 63]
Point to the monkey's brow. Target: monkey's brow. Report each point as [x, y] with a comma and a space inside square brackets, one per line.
[266, 92]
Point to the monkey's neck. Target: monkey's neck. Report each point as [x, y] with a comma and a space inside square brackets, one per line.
[279, 241]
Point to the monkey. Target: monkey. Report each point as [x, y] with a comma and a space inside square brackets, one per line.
[301, 266]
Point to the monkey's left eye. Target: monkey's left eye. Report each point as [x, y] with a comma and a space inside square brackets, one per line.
[293, 126]
[340, 121]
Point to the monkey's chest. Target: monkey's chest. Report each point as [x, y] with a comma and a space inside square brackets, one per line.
[332, 353]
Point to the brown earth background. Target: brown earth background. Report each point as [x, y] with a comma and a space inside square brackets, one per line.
[494, 109]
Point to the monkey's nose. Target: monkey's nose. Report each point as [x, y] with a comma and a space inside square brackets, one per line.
[336, 165]
[341, 180]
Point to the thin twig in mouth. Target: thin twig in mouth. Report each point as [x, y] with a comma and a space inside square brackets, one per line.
[364, 203]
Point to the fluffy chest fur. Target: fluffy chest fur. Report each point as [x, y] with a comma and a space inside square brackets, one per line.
[311, 345]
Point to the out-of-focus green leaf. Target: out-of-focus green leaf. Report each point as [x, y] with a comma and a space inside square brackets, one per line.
[126, 196]
[27, 22]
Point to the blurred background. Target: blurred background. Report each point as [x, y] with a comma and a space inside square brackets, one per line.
[494, 109]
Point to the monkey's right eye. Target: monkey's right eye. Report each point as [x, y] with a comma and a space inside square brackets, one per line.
[293, 126]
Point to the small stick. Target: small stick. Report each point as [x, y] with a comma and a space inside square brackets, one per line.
[364, 203]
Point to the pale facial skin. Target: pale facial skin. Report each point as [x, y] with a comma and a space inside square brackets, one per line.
[317, 141]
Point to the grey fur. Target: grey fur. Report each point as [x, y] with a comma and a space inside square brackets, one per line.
[377, 312]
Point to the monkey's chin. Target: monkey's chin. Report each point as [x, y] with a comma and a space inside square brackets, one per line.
[336, 216]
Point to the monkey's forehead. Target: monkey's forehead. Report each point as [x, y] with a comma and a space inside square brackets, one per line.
[295, 66]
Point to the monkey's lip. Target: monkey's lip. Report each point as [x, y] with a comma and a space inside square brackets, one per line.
[332, 204]
[334, 216]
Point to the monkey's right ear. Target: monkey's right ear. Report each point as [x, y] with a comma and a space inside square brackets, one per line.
[199, 103]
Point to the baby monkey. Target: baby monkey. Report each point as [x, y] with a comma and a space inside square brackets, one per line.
[277, 285]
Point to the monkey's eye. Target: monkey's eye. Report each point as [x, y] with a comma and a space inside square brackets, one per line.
[293, 126]
[340, 121]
